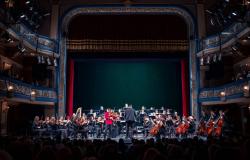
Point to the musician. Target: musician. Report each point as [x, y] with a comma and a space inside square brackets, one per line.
[191, 127]
[82, 124]
[210, 123]
[170, 129]
[99, 126]
[201, 129]
[218, 124]
[108, 123]
[130, 118]
[147, 125]
[37, 126]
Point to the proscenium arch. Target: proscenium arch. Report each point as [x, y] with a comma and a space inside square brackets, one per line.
[131, 10]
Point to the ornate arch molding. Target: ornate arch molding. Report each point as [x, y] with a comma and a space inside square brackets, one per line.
[122, 10]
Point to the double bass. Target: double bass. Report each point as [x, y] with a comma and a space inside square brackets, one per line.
[218, 125]
[210, 125]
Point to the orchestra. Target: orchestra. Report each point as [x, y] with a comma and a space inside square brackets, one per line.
[112, 124]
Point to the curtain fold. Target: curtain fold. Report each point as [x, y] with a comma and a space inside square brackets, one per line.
[184, 87]
[70, 99]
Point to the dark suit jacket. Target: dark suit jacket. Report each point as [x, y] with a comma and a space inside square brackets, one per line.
[130, 114]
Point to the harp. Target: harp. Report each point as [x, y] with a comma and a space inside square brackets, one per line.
[79, 112]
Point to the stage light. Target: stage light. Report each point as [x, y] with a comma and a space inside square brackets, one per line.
[201, 61]
[212, 21]
[234, 13]
[42, 60]
[219, 56]
[22, 16]
[214, 58]
[208, 59]
[22, 49]
[27, 2]
[55, 62]
[48, 61]
[46, 14]
[39, 59]
[10, 40]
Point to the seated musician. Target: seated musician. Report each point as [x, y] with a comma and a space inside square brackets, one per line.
[170, 129]
[82, 125]
[191, 122]
[147, 125]
[37, 126]
[62, 127]
[99, 126]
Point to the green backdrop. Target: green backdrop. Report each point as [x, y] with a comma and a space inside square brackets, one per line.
[114, 82]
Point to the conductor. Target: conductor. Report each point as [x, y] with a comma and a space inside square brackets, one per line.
[130, 118]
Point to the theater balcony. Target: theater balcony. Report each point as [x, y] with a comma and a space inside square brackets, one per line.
[224, 66]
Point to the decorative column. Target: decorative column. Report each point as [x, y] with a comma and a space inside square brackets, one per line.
[54, 19]
[201, 24]
[54, 35]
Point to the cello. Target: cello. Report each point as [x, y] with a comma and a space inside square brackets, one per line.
[155, 130]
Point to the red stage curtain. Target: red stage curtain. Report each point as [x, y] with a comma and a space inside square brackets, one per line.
[184, 87]
[70, 88]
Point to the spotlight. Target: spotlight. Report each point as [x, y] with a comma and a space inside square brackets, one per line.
[27, 2]
[234, 13]
[201, 61]
[39, 60]
[48, 61]
[212, 22]
[46, 14]
[22, 49]
[219, 56]
[55, 62]
[42, 60]
[10, 40]
[22, 16]
[208, 59]
[214, 58]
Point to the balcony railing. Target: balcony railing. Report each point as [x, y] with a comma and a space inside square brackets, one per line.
[233, 90]
[33, 40]
[24, 91]
[229, 34]
[128, 45]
